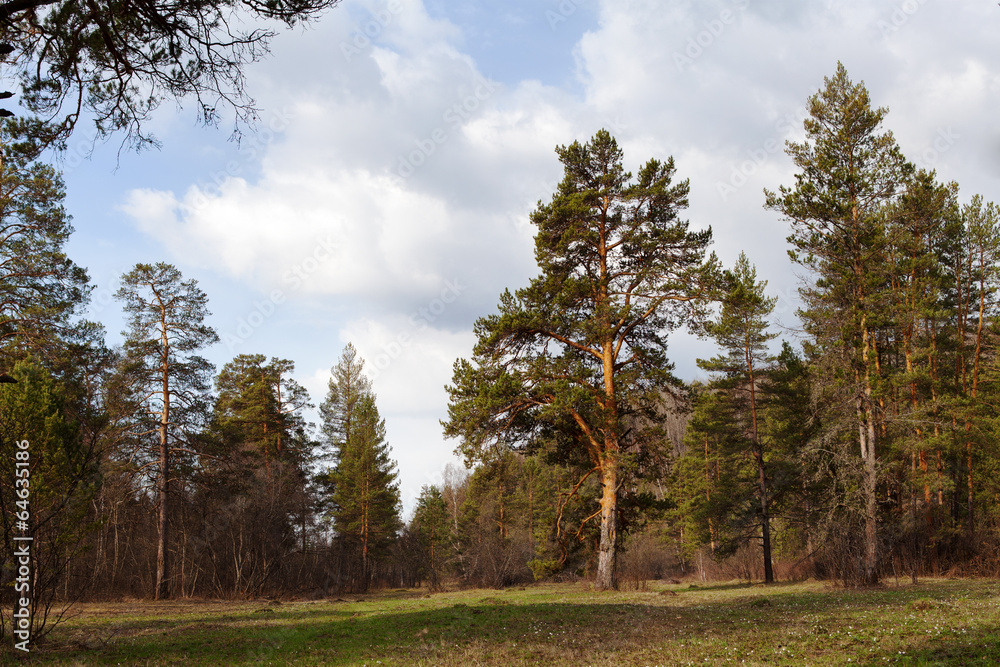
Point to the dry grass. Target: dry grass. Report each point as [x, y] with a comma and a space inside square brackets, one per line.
[934, 623]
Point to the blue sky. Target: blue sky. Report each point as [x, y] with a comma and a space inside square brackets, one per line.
[402, 144]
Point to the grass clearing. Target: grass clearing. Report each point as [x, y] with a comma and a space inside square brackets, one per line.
[936, 622]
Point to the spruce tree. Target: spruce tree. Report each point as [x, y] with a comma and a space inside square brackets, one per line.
[365, 490]
[741, 330]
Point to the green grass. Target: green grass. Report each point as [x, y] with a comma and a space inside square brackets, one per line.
[937, 622]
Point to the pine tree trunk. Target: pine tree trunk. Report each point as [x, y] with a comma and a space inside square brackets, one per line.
[970, 525]
[708, 497]
[365, 569]
[765, 520]
[607, 551]
[162, 553]
[608, 548]
[869, 483]
[871, 508]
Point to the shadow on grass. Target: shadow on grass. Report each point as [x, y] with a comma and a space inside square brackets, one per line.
[980, 647]
[718, 587]
[395, 628]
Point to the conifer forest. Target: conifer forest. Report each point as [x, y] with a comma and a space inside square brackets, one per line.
[841, 428]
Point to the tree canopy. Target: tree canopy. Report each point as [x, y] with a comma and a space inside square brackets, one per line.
[579, 356]
[118, 60]
[40, 287]
[168, 381]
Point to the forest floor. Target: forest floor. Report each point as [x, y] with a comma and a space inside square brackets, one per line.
[936, 622]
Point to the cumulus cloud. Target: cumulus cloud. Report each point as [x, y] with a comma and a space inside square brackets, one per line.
[423, 169]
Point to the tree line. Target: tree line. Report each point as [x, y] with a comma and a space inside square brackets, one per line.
[863, 447]
[151, 474]
[864, 450]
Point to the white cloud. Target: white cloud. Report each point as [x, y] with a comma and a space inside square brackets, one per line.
[408, 358]
[424, 170]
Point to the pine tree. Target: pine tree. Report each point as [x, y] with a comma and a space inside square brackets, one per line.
[259, 403]
[923, 230]
[251, 481]
[850, 172]
[346, 387]
[246, 409]
[165, 379]
[40, 287]
[981, 261]
[115, 62]
[580, 353]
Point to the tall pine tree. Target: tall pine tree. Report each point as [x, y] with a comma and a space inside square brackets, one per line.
[580, 354]
[166, 379]
[850, 171]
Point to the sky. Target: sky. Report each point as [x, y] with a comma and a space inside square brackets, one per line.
[383, 197]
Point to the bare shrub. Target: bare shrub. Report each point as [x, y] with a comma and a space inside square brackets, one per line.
[493, 561]
[794, 570]
[644, 559]
[842, 558]
[746, 564]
